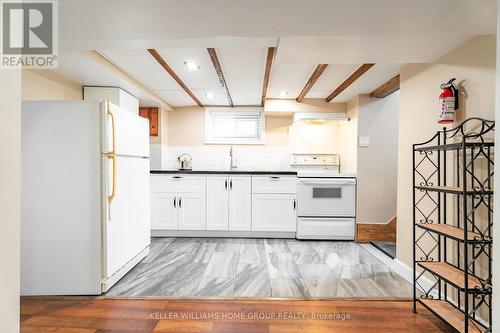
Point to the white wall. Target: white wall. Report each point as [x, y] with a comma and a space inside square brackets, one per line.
[496, 216]
[473, 64]
[377, 164]
[10, 182]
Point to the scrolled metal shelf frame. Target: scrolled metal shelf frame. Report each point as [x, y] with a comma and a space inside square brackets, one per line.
[463, 156]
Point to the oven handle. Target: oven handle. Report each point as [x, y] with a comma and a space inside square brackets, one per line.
[328, 182]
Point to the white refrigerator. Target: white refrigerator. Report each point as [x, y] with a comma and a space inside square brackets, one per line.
[85, 217]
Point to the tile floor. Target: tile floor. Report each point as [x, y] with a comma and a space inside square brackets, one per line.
[389, 248]
[225, 267]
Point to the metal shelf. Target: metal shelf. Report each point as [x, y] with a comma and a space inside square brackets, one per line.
[453, 190]
[453, 224]
[451, 315]
[455, 233]
[452, 274]
[455, 146]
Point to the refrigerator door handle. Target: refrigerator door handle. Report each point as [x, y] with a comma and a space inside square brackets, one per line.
[111, 154]
[111, 197]
[113, 129]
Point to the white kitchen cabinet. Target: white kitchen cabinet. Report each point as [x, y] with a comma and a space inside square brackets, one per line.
[240, 203]
[191, 211]
[164, 211]
[274, 184]
[217, 203]
[178, 202]
[229, 202]
[274, 212]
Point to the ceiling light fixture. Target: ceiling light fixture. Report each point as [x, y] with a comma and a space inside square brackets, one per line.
[210, 95]
[283, 93]
[191, 65]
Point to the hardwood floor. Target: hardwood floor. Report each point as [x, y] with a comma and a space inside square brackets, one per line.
[92, 315]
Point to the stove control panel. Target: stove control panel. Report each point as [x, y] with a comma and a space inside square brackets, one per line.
[315, 160]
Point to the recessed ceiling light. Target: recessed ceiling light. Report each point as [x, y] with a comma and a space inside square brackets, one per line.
[191, 65]
[283, 93]
[210, 95]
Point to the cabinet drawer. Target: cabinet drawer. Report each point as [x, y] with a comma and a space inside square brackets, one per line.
[274, 184]
[177, 183]
[326, 228]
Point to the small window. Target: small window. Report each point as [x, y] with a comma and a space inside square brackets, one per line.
[229, 126]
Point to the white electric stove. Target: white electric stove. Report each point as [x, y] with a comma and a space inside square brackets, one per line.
[326, 198]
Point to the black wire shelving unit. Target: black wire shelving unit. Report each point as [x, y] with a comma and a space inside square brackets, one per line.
[452, 225]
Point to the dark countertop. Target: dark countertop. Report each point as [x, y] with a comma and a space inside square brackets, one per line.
[222, 172]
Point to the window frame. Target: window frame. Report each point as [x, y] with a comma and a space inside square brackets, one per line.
[211, 113]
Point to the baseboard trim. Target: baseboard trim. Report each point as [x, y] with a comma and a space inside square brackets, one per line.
[222, 234]
[398, 266]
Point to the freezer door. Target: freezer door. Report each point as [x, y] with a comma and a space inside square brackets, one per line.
[127, 217]
[125, 133]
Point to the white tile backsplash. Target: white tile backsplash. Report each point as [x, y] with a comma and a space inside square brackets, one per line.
[155, 156]
[217, 157]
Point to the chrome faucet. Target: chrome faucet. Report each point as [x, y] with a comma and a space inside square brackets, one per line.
[232, 166]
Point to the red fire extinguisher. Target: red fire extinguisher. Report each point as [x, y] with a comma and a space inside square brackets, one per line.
[448, 102]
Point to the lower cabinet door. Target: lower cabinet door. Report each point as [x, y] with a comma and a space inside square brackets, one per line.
[274, 212]
[217, 203]
[240, 203]
[192, 211]
[164, 211]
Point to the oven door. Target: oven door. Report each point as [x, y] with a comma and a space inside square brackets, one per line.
[327, 197]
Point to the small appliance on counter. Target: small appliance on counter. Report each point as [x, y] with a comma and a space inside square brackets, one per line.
[326, 198]
[185, 161]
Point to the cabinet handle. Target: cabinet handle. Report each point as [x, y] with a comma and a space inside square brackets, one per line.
[180, 202]
[274, 177]
[225, 184]
[294, 204]
[231, 184]
[175, 202]
[177, 177]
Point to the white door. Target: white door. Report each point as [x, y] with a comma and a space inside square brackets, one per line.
[217, 203]
[127, 217]
[164, 211]
[274, 212]
[127, 131]
[240, 203]
[192, 211]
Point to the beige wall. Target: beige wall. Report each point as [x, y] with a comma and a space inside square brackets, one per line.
[473, 64]
[349, 134]
[377, 164]
[186, 127]
[40, 85]
[496, 199]
[10, 196]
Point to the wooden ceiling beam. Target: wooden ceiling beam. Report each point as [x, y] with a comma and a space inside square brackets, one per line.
[350, 80]
[310, 83]
[267, 73]
[220, 74]
[170, 71]
[386, 88]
